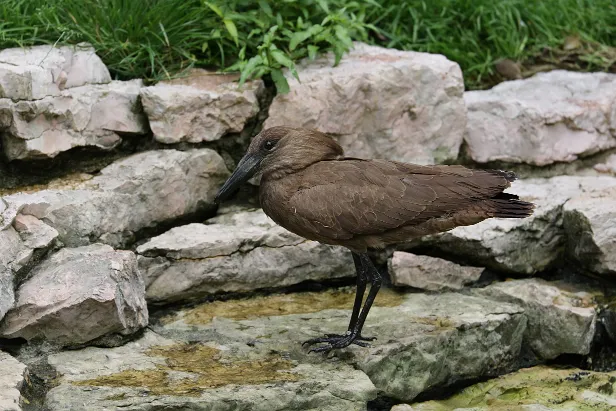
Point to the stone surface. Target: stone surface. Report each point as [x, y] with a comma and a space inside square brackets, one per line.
[523, 246]
[590, 221]
[161, 373]
[430, 273]
[551, 117]
[12, 378]
[91, 115]
[33, 232]
[61, 304]
[379, 103]
[236, 252]
[534, 389]
[608, 167]
[561, 317]
[200, 111]
[10, 248]
[129, 195]
[35, 72]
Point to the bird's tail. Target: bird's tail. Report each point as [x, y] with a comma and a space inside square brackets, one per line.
[505, 205]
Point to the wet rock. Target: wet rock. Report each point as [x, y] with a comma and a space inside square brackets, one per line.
[62, 305]
[534, 389]
[36, 72]
[590, 221]
[552, 117]
[134, 193]
[429, 273]
[200, 111]
[12, 378]
[157, 372]
[379, 103]
[523, 246]
[561, 317]
[237, 252]
[91, 115]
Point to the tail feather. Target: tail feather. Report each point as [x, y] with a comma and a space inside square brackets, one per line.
[510, 208]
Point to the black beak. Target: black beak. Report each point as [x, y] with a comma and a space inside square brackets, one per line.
[246, 168]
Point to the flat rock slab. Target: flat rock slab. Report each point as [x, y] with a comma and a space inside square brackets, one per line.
[561, 317]
[32, 73]
[199, 111]
[236, 252]
[552, 117]
[430, 273]
[379, 103]
[591, 227]
[528, 245]
[129, 195]
[533, 389]
[12, 378]
[91, 115]
[78, 295]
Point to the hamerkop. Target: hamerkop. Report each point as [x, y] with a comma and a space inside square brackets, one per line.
[310, 188]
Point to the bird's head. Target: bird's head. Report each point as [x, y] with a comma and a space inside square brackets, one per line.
[278, 151]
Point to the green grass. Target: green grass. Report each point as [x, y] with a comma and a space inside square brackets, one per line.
[153, 39]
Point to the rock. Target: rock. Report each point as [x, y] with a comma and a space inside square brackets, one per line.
[609, 167]
[10, 248]
[33, 232]
[590, 221]
[12, 378]
[62, 305]
[429, 273]
[549, 118]
[199, 112]
[523, 246]
[91, 115]
[129, 195]
[36, 72]
[161, 373]
[534, 389]
[379, 103]
[244, 251]
[561, 318]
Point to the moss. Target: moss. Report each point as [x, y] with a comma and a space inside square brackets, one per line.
[281, 304]
[208, 366]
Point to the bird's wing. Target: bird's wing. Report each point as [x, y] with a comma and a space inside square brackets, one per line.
[341, 199]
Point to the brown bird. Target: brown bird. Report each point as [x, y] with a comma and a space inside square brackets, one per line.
[310, 188]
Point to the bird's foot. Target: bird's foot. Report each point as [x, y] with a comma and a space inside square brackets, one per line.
[338, 341]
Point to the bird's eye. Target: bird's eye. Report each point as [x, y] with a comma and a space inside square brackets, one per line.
[269, 145]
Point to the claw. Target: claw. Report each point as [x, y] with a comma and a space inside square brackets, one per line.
[337, 341]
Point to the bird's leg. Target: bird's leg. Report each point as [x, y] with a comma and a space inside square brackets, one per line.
[365, 270]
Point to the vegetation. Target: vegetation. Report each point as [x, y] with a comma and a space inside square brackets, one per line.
[159, 38]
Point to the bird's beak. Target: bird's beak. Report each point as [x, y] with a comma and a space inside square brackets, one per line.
[245, 169]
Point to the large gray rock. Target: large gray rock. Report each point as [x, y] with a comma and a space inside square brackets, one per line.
[199, 112]
[90, 115]
[523, 246]
[590, 221]
[430, 273]
[561, 318]
[35, 72]
[552, 117]
[12, 378]
[78, 295]
[134, 193]
[160, 373]
[242, 251]
[379, 103]
[11, 248]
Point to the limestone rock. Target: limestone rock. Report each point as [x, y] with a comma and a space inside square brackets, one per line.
[590, 221]
[561, 318]
[33, 232]
[524, 246]
[200, 111]
[10, 248]
[430, 273]
[552, 117]
[61, 304]
[242, 251]
[36, 72]
[161, 373]
[608, 167]
[379, 103]
[12, 375]
[129, 195]
[91, 115]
